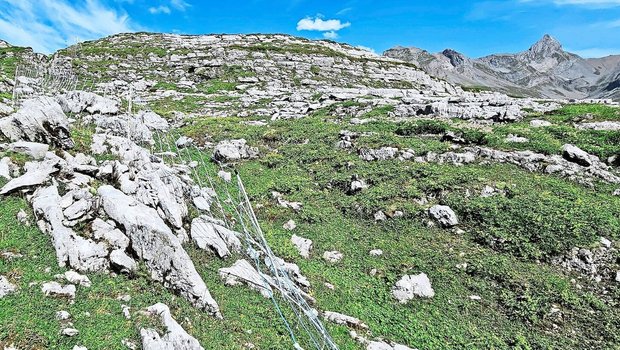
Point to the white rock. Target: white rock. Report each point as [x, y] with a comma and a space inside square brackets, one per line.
[62, 315]
[234, 150]
[576, 155]
[410, 286]
[488, 191]
[444, 215]
[333, 256]
[82, 101]
[184, 141]
[605, 242]
[32, 149]
[289, 225]
[153, 242]
[80, 253]
[207, 233]
[617, 276]
[6, 166]
[6, 287]
[22, 217]
[516, 139]
[358, 185]
[380, 216]
[174, 338]
[70, 332]
[113, 236]
[475, 297]
[39, 119]
[37, 174]
[224, 175]
[77, 347]
[284, 203]
[126, 311]
[122, 261]
[303, 245]
[242, 272]
[75, 278]
[536, 123]
[58, 290]
[344, 320]
[376, 252]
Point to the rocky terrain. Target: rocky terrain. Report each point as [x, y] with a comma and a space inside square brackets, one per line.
[404, 211]
[545, 70]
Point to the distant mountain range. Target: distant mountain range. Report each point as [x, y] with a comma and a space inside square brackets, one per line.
[545, 70]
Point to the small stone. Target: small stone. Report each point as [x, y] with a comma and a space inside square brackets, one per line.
[70, 332]
[75, 278]
[516, 139]
[6, 287]
[77, 347]
[344, 320]
[380, 216]
[183, 142]
[125, 297]
[444, 215]
[125, 310]
[376, 252]
[303, 245]
[333, 256]
[56, 289]
[62, 315]
[358, 185]
[410, 286]
[462, 266]
[22, 217]
[605, 242]
[475, 297]
[224, 175]
[289, 225]
[536, 123]
[617, 276]
[329, 286]
[617, 192]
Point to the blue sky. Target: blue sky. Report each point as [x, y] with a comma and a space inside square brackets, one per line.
[479, 27]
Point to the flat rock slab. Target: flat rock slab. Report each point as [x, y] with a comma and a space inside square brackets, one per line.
[37, 174]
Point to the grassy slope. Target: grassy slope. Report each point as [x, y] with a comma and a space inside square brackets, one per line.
[540, 216]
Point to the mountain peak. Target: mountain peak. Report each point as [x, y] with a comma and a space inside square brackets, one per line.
[545, 47]
[456, 58]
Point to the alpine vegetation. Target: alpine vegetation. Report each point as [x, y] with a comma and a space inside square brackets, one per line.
[164, 191]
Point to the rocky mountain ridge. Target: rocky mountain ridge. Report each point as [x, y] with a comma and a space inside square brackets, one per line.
[545, 70]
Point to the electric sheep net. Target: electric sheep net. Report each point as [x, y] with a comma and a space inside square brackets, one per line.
[231, 200]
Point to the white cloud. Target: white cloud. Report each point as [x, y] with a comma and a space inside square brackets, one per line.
[344, 10]
[330, 35]
[321, 25]
[159, 9]
[180, 5]
[47, 25]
